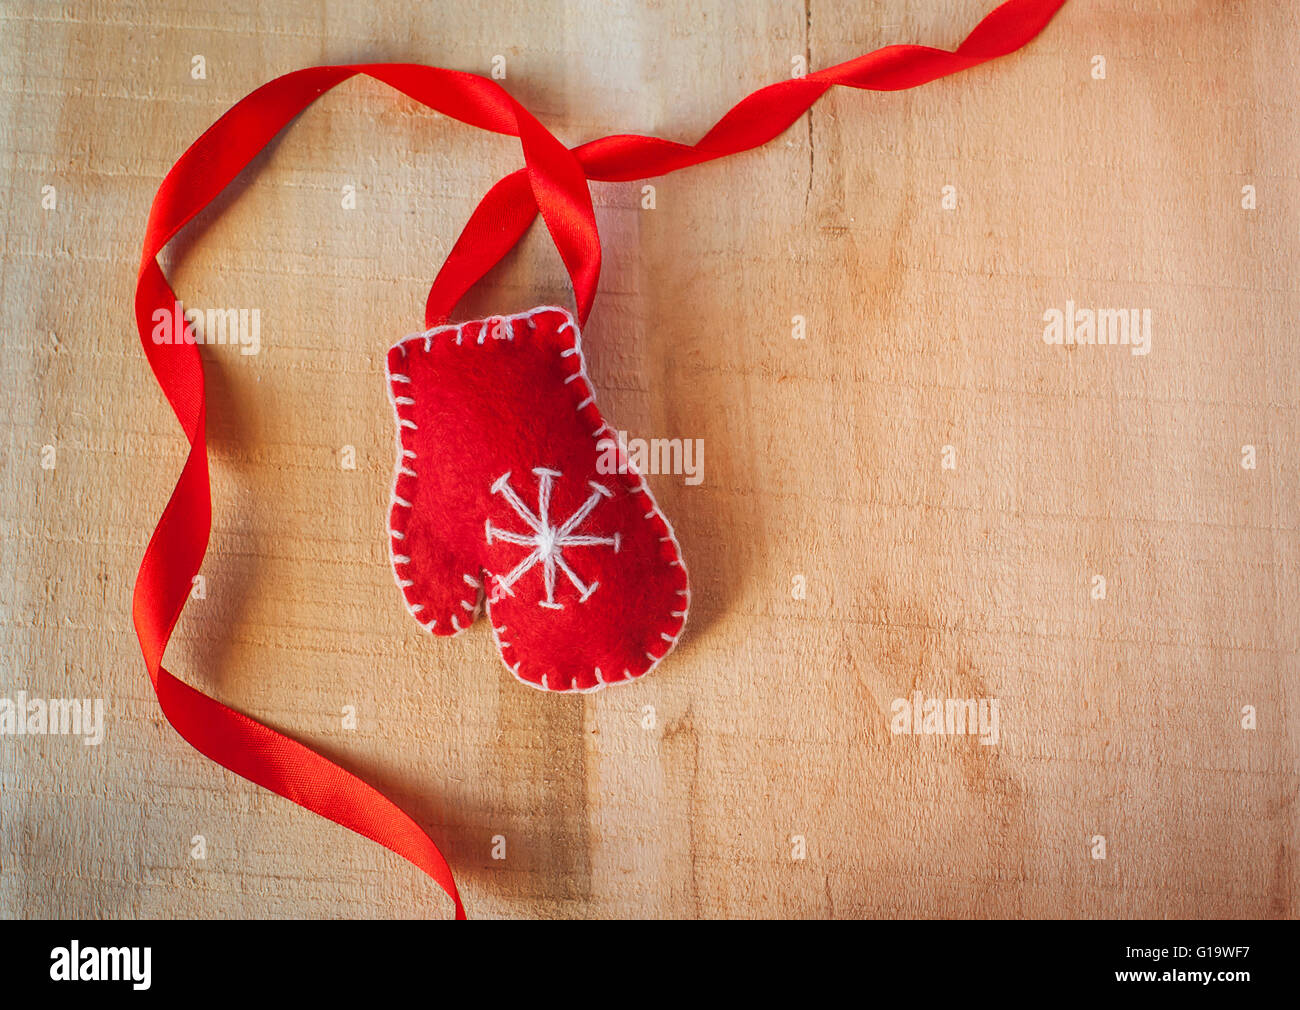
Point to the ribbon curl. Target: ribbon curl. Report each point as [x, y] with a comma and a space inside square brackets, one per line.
[554, 183]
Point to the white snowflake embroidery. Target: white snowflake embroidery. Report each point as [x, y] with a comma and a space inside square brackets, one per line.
[546, 540]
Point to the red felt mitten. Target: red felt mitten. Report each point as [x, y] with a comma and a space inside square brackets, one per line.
[512, 490]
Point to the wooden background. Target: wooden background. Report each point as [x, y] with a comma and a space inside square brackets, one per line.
[1120, 717]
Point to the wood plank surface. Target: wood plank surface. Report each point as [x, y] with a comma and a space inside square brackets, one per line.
[756, 773]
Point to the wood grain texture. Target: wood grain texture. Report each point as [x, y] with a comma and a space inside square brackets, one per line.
[1119, 717]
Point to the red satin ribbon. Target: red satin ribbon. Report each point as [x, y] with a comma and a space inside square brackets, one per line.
[554, 183]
